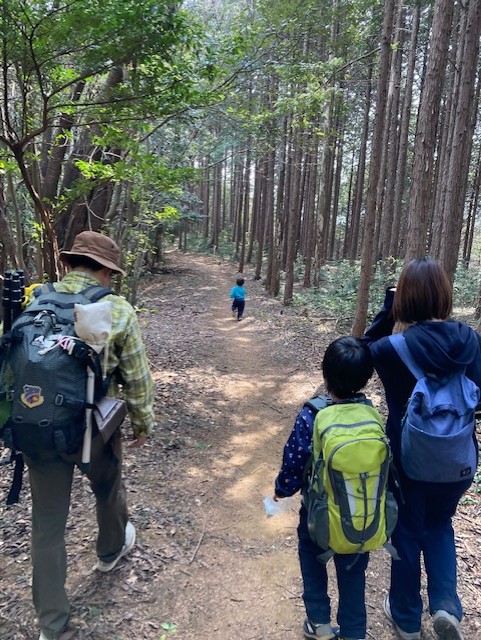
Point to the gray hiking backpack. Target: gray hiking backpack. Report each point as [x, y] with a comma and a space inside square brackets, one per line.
[43, 374]
[438, 428]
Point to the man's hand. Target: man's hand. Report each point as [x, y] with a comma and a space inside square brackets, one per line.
[138, 442]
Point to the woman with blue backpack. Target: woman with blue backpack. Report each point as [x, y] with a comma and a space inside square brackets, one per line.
[431, 372]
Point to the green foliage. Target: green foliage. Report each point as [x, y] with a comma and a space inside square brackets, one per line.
[465, 286]
[51, 48]
[338, 283]
[225, 248]
[169, 628]
[336, 294]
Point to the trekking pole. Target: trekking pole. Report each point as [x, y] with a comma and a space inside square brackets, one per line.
[16, 295]
[6, 301]
[21, 277]
[17, 292]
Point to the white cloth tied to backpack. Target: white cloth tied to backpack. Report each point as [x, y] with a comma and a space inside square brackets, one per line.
[93, 323]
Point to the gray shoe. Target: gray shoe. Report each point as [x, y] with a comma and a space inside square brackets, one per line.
[447, 626]
[128, 544]
[42, 635]
[404, 635]
[318, 631]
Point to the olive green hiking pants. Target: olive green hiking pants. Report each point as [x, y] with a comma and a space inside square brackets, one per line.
[51, 483]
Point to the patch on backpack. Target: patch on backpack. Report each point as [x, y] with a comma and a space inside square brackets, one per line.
[32, 396]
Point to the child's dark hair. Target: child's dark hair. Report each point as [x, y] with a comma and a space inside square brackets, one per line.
[347, 366]
[240, 282]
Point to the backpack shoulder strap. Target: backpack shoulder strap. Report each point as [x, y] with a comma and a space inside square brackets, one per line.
[318, 402]
[95, 292]
[398, 341]
[47, 287]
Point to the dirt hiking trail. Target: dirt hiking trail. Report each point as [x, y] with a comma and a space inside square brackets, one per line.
[208, 563]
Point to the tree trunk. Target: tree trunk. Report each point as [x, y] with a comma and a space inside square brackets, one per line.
[294, 220]
[425, 140]
[361, 173]
[392, 146]
[462, 140]
[376, 152]
[394, 249]
[245, 210]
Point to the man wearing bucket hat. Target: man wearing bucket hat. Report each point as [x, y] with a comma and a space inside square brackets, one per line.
[92, 260]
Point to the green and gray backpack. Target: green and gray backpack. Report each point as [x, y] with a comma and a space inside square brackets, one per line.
[350, 509]
[43, 374]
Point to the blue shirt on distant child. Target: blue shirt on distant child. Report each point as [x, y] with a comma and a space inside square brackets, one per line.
[238, 293]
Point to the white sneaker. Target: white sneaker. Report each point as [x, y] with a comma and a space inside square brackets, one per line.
[404, 635]
[128, 544]
[447, 626]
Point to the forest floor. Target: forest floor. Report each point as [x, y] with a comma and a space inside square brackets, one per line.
[208, 562]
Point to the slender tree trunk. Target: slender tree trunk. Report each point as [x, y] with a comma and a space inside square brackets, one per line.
[310, 211]
[361, 173]
[472, 213]
[376, 152]
[425, 140]
[245, 210]
[394, 249]
[293, 222]
[462, 140]
[263, 215]
[256, 206]
[392, 146]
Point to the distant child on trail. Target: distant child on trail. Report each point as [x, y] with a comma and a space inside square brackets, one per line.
[238, 297]
[347, 366]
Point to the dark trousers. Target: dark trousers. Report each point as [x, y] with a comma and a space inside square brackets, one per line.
[424, 527]
[238, 305]
[51, 482]
[351, 582]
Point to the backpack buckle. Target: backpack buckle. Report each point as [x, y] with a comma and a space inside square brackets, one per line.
[38, 320]
[58, 402]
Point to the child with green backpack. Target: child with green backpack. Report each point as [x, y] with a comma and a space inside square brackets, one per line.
[346, 511]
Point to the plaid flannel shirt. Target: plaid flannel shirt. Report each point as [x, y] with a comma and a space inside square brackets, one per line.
[126, 352]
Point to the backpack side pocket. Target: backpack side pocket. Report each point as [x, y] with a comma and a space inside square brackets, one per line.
[318, 519]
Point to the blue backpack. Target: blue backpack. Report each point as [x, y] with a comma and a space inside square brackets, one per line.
[437, 436]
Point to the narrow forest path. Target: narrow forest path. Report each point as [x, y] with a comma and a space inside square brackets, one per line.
[208, 563]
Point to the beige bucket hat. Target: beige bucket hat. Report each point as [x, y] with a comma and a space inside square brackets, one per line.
[96, 246]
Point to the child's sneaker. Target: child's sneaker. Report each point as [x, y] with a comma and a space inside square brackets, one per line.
[404, 635]
[318, 631]
[447, 626]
